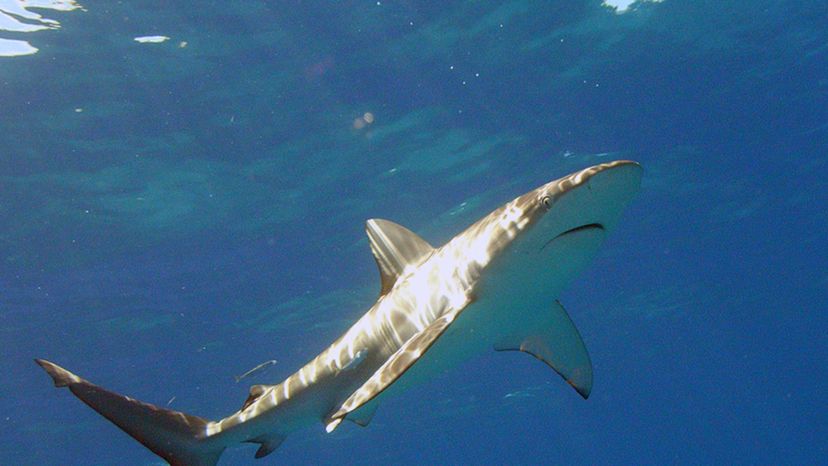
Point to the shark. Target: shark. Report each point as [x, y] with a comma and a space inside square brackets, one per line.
[494, 286]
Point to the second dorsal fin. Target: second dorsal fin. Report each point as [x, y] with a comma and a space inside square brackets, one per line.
[394, 248]
[256, 391]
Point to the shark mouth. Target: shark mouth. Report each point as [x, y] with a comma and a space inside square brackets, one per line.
[586, 227]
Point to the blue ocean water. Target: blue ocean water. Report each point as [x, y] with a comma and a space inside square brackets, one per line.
[179, 209]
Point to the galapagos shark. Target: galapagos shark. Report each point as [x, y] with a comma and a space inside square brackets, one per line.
[493, 286]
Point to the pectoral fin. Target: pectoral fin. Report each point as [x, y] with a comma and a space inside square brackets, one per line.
[557, 343]
[362, 416]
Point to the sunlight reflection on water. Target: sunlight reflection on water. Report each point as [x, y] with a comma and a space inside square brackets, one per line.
[15, 16]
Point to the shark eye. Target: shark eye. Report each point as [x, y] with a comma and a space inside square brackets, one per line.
[547, 202]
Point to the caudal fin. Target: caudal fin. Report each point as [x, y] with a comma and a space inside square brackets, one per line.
[177, 437]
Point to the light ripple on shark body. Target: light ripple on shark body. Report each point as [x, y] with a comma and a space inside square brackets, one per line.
[437, 308]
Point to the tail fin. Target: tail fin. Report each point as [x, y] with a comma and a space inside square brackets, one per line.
[177, 437]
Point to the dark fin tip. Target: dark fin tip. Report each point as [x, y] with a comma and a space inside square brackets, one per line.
[584, 392]
[262, 452]
[60, 376]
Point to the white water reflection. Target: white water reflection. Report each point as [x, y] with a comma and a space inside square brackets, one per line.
[622, 6]
[16, 17]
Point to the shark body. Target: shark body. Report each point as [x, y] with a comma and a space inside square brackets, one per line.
[492, 286]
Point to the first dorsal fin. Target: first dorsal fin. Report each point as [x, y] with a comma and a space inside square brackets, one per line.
[394, 248]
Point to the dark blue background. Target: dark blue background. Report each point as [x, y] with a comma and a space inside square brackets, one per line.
[204, 213]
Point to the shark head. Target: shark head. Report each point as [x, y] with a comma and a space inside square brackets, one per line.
[543, 237]
[527, 251]
[589, 200]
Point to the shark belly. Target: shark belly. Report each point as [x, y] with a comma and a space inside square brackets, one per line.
[512, 301]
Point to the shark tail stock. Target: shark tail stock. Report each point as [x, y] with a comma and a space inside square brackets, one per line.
[177, 437]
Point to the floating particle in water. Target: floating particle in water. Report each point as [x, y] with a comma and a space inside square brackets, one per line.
[151, 39]
[365, 120]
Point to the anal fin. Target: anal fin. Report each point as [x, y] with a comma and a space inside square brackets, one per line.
[268, 444]
[556, 342]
